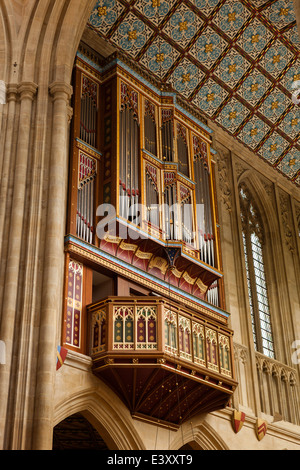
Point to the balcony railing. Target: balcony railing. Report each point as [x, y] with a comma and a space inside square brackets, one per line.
[151, 332]
[278, 389]
[127, 325]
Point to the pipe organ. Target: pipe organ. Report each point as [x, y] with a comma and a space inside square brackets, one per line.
[138, 152]
[144, 295]
[163, 163]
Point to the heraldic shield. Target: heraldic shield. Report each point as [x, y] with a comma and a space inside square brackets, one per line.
[261, 429]
[238, 419]
[61, 355]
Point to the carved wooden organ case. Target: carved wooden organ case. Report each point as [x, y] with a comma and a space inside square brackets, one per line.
[142, 216]
[142, 160]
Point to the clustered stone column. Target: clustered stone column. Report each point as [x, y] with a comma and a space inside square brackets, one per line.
[25, 92]
[15, 166]
[53, 266]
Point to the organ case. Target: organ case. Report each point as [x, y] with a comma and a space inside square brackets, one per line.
[136, 149]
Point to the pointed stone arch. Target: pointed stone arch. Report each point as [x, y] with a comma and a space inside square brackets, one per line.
[76, 432]
[268, 206]
[115, 427]
[262, 200]
[68, 39]
[199, 437]
[5, 44]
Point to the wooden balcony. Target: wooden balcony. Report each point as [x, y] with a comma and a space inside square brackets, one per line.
[166, 362]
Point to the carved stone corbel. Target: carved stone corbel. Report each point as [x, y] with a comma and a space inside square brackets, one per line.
[286, 223]
[224, 178]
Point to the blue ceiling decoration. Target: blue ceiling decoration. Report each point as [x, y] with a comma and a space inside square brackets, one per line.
[234, 60]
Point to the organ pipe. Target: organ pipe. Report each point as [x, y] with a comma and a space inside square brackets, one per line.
[85, 198]
[213, 294]
[186, 215]
[88, 112]
[152, 196]
[129, 163]
[167, 134]
[170, 207]
[150, 128]
[182, 150]
[204, 209]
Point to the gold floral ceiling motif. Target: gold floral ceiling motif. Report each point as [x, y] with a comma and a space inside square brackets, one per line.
[236, 61]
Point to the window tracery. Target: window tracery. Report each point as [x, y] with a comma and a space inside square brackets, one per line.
[253, 244]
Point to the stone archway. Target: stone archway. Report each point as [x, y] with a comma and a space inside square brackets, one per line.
[77, 433]
[102, 409]
[198, 437]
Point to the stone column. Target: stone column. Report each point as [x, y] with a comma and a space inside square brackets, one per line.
[8, 160]
[53, 267]
[14, 226]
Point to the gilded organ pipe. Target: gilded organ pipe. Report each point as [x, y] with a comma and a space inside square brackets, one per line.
[88, 112]
[167, 134]
[85, 198]
[129, 159]
[203, 200]
[150, 128]
[182, 150]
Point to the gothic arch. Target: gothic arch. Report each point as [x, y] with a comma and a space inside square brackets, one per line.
[68, 39]
[268, 204]
[5, 50]
[269, 234]
[263, 202]
[199, 437]
[116, 428]
[32, 30]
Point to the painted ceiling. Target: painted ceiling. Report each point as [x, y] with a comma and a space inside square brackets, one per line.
[234, 60]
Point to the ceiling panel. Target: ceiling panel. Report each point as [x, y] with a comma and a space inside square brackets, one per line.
[234, 60]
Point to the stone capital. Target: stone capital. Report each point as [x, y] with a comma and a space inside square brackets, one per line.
[70, 113]
[27, 90]
[61, 90]
[11, 92]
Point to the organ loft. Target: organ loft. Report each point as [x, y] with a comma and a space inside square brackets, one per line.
[142, 212]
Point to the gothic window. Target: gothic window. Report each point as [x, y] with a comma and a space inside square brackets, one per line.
[123, 328]
[170, 332]
[253, 244]
[198, 343]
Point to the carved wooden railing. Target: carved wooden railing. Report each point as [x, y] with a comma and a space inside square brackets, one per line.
[154, 326]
